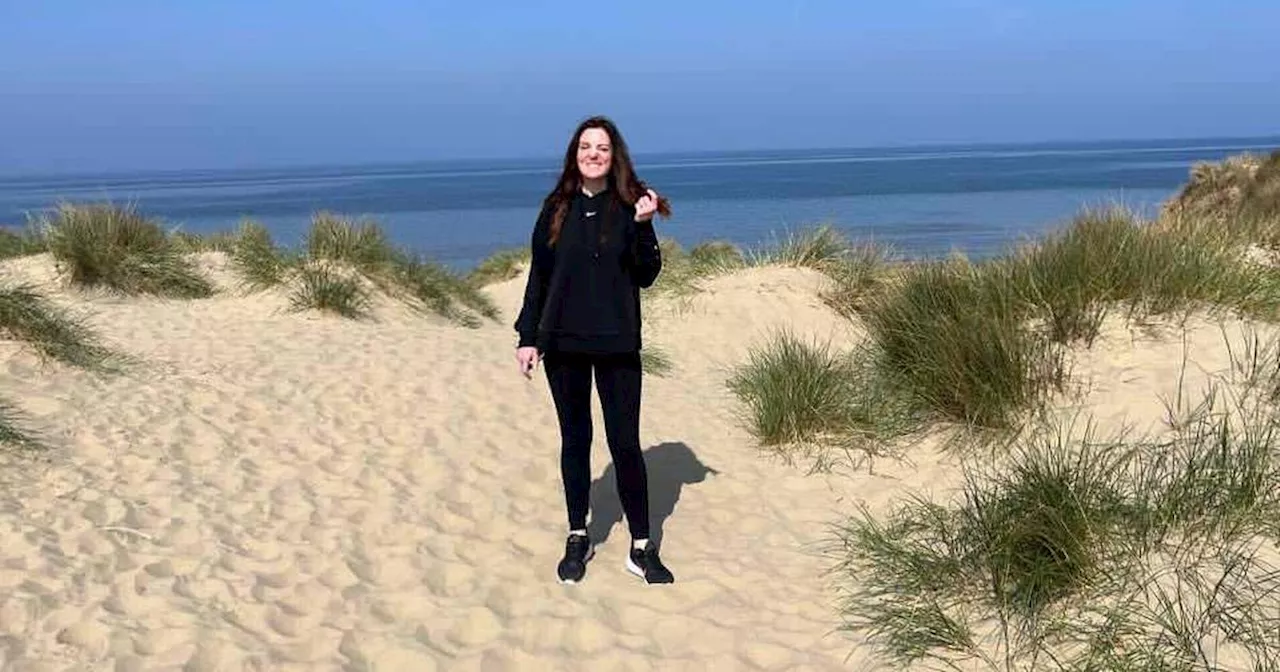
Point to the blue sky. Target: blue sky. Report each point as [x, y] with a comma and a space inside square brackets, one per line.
[163, 84]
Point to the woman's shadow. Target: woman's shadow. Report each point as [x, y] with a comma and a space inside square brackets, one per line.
[670, 466]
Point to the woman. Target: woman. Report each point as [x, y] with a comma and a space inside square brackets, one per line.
[593, 249]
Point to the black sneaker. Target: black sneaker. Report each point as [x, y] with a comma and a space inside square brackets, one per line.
[577, 551]
[647, 565]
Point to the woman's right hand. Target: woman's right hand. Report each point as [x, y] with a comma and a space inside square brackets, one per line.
[528, 359]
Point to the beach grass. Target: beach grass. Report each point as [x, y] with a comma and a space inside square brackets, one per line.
[116, 248]
[500, 266]
[856, 269]
[981, 344]
[804, 399]
[865, 270]
[54, 333]
[187, 242]
[1081, 553]
[359, 244]
[953, 337]
[342, 260]
[1063, 553]
[656, 361]
[20, 242]
[820, 248]
[1239, 192]
[795, 391]
[256, 258]
[978, 341]
[680, 277]
[432, 287]
[328, 289]
[1108, 260]
[14, 432]
[715, 257]
[102, 245]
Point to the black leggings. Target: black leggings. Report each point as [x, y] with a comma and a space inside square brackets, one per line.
[618, 382]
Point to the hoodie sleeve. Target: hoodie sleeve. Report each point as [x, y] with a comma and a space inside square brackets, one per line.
[542, 258]
[646, 256]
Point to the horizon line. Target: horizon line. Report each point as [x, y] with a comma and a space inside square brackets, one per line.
[694, 153]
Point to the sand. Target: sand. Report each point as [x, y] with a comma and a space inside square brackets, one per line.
[283, 491]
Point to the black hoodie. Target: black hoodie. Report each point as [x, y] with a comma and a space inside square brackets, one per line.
[583, 293]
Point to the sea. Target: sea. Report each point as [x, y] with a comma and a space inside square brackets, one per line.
[922, 201]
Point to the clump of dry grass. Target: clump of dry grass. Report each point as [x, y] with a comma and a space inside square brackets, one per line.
[1236, 200]
[819, 248]
[953, 336]
[429, 286]
[499, 267]
[715, 257]
[342, 261]
[28, 317]
[795, 391]
[684, 271]
[808, 400]
[116, 248]
[16, 242]
[359, 244]
[1244, 184]
[14, 432]
[1109, 259]
[326, 288]
[856, 271]
[862, 272]
[656, 361]
[679, 277]
[256, 258]
[192, 243]
[55, 334]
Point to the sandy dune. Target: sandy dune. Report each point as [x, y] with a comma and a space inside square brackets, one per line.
[289, 491]
[284, 491]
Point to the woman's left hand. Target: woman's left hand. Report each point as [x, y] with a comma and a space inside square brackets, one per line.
[646, 206]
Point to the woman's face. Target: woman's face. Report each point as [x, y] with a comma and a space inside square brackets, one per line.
[595, 154]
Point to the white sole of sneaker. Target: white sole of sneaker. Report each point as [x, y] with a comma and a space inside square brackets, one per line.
[634, 568]
[591, 553]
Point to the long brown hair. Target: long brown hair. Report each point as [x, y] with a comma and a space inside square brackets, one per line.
[624, 186]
